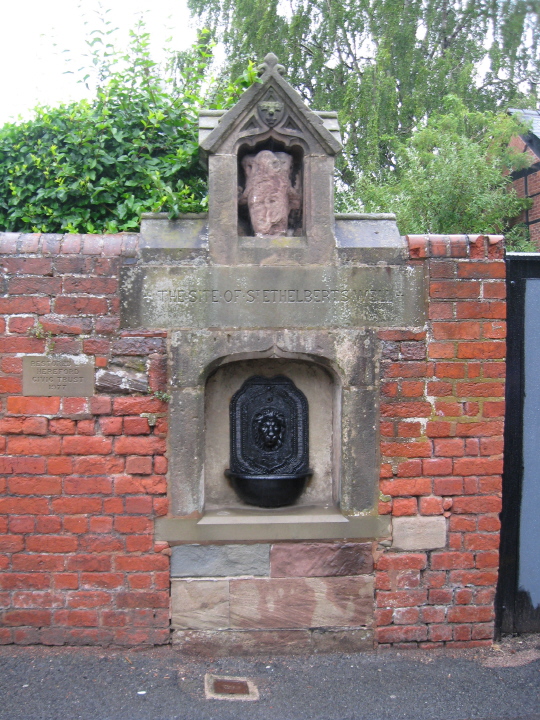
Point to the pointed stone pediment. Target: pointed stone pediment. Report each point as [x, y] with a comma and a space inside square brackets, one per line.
[269, 108]
[270, 167]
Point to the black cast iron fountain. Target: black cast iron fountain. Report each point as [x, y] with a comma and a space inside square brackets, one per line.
[269, 442]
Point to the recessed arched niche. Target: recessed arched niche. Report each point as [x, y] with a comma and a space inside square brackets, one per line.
[321, 390]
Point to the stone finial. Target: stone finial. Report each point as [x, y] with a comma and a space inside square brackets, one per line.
[270, 64]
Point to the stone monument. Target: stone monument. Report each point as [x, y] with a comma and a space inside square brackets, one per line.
[274, 291]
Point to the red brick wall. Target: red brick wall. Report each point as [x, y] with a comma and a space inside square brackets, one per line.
[442, 414]
[80, 479]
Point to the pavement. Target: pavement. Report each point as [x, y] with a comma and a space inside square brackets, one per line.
[499, 683]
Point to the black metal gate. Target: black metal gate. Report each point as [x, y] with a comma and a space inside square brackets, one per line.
[518, 595]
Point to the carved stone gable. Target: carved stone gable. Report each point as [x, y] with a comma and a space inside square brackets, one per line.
[271, 163]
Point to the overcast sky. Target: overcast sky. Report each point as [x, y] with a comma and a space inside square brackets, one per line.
[35, 33]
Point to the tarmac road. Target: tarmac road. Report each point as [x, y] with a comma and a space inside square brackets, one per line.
[503, 683]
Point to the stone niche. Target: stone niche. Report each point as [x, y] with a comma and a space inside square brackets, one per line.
[272, 283]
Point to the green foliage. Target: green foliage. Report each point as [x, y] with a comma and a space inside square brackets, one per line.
[386, 65]
[449, 177]
[95, 166]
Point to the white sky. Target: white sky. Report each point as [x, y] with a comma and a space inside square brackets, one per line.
[34, 34]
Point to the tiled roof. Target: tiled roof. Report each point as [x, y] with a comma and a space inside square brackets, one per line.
[530, 116]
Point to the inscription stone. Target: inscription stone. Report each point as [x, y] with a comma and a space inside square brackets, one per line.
[260, 297]
[58, 375]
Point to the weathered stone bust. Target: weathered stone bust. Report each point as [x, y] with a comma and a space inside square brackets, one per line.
[269, 193]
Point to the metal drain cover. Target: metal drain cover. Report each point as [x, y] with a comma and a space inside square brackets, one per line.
[218, 687]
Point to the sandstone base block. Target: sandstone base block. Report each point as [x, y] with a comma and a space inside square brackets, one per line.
[226, 643]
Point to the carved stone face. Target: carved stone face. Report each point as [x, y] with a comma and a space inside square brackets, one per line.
[269, 429]
[270, 112]
[269, 193]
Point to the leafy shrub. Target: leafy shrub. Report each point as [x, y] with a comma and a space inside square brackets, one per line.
[451, 176]
[94, 167]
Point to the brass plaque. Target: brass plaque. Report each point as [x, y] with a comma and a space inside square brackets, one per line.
[58, 375]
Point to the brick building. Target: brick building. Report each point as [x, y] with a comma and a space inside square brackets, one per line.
[527, 181]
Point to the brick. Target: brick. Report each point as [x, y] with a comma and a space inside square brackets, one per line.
[34, 485]
[494, 290]
[107, 325]
[77, 445]
[448, 486]
[477, 466]
[140, 543]
[406, 409]
[481, 541]
[52, 544]
[486, 560]
[48, 524]
[80, 305]
[136, 426]
[25, 581]
[440, 633]
[90, 285]
[102, 580]
[406, 486]
[11, 543]
[88, 599]
[490, 270]
[137, 405]
[148, 445]
[431, 506]
[408, 369]
[22, 524]
[489, 309]
[409, 468]
[479, 429]
[489, 524]
[76, 618]
[403, 633]
[473, 577]
[62, 325]
[36, 618]
[133, 525]
[141, 504]
[456, 330]
[138, 346]
[449, 289]
[35, 286]
[33, 405]
[143, 600]
[37, 563]
[15, 344]
[98, 465]
[437, 466]
[27, 445]
[89, 563]
[406, 449]
[402, 561]
[404, 506]
[470, 614]
[160, 465]
[451, 560]
[24, 506]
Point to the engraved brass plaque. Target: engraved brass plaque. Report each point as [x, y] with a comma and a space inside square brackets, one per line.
[58, 375]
